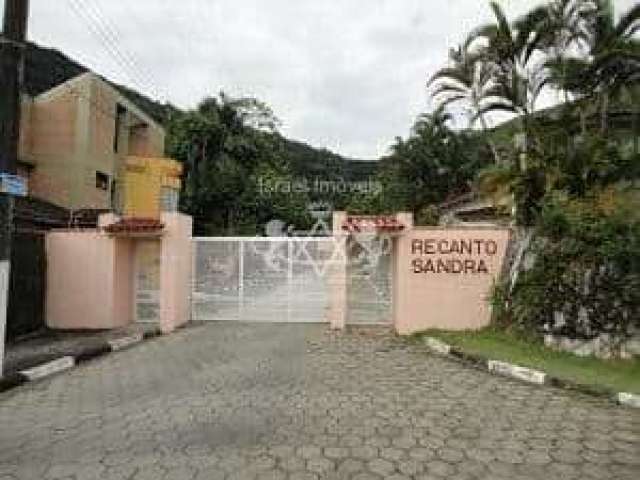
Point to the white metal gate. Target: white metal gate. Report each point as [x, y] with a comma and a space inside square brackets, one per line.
[369, 281]
[147, 281]
[261, 279]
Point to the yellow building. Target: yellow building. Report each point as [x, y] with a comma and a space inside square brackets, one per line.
[149, 186]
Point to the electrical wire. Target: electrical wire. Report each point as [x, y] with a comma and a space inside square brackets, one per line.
[185, 39]
[114, 36]
[108, 45]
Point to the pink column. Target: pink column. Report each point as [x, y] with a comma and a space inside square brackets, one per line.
[337, 275]
[399, 279]
[175, 271]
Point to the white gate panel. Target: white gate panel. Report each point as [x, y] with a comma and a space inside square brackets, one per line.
[309, 294]
[147, 282]
[369, 289]
[217, 280]
[261, 279]
[265, 293]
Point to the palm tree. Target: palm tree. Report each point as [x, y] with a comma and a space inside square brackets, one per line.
[505, 49]
[468, 80]
[561, 33]
[615, 48]
[563, 29]
[614, 57]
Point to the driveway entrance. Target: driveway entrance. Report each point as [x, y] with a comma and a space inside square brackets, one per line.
[230, 400]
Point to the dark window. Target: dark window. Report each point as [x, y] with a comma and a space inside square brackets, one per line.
[120, 116]
[102, 181]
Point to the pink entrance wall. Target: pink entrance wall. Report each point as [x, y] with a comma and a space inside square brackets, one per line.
[443, 277]
[90, 277]
[88, 280]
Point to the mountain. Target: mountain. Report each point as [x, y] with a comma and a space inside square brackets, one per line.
[310, 162]
[46, 68]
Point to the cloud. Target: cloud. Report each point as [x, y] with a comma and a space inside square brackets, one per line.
[348, 75]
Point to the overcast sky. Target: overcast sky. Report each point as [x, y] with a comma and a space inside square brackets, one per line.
[348, 75]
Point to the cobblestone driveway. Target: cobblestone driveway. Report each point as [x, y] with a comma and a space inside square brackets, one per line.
[266, 401]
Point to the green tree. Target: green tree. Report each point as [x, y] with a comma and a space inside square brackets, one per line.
[614, 56]
[434, 163]
[503, 47]
[560, 30]
[226, 145]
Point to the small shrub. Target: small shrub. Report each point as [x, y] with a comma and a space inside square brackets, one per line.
[428, 216]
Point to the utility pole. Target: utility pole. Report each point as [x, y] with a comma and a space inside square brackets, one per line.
[12, 45]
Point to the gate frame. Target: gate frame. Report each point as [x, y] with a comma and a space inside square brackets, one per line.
[402, 223]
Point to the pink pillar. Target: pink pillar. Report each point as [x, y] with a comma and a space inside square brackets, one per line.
[398, 279]
[337, 279]
[175, 271]
[406, 219]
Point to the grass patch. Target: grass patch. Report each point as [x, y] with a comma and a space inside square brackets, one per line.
[617, 375]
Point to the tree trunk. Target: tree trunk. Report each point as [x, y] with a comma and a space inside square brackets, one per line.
[636, 131]
[604, 113]
[492, 146]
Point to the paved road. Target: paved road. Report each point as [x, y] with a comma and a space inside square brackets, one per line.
[265, 401]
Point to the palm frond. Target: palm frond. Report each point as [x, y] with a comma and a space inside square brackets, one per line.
[453, 99]
[494, 107]
[449, 88]
[627, 24]
[451, 73]
[504, 26]
[486, 32]
[533, 30]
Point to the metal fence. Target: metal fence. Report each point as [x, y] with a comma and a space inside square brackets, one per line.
[261, 279]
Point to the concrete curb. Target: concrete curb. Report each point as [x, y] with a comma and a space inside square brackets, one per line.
[125, 342]
[45, 370]
[515, 371]
[527, 375]
[629, 399]
[67, 362]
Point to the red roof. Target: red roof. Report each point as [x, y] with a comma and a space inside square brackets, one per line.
[355, 224]
[135, 225]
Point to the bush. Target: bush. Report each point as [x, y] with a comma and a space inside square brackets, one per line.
[585, 280]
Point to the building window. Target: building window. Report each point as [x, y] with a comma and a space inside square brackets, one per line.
[102, 181]
[168, 199]
[119, 121]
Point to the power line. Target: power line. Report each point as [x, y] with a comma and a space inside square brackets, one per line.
[114, 35]
[177, 31]
[103, 38]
